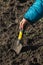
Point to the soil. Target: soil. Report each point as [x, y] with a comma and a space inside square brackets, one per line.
[11, 13]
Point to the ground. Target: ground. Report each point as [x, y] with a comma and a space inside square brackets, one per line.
[11, 13]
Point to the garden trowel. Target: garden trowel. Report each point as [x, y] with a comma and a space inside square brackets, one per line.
[18, 45]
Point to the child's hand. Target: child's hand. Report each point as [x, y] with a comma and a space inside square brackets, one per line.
[22, 23]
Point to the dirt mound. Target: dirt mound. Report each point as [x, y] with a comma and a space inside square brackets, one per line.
[11, 13]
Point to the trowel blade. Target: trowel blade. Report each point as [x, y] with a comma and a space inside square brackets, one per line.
[18, 47]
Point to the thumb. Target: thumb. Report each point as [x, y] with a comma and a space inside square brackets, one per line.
[21, 25]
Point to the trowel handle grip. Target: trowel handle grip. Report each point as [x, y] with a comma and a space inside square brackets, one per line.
[20, 35]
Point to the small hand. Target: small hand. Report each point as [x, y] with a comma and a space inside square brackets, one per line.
[22, 23]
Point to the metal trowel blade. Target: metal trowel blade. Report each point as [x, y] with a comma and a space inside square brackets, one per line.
[18, 47]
